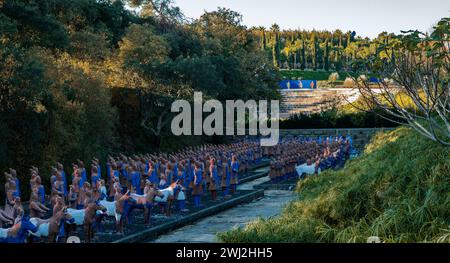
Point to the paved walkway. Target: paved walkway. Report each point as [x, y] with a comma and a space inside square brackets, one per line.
[206, 229]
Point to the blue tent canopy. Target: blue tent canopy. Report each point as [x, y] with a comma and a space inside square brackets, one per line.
[298, 84]
[374, 80]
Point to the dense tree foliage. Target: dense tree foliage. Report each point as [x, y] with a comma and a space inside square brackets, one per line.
[419, 67]
[84, 78]
[320, 50]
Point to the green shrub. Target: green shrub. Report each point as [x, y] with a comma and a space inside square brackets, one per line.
[333, 77]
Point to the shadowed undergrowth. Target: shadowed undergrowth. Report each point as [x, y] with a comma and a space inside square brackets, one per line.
[398, 190]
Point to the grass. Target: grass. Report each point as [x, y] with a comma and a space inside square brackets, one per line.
[398, 190]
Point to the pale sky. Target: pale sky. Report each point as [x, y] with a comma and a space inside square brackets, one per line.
[366, 17]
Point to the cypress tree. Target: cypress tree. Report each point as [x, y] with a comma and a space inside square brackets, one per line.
[316, 52]
[313, 51]
[303, 56]
[276, 46]
[274, 55]
[327, 55]
[264, 38]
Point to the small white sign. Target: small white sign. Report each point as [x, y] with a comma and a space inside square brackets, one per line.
[73, 239]
[373, 239]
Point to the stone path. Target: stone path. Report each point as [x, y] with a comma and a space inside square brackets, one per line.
[205, 230]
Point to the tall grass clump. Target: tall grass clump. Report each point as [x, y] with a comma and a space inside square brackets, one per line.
[399, 190]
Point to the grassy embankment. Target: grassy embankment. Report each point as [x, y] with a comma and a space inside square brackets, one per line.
[398, 190]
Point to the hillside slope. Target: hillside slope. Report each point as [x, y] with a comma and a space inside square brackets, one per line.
[398, 190]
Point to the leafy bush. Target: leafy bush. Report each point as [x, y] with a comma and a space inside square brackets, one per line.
[336, 118]
[333, 77]
[400, 199]
[349, 82]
